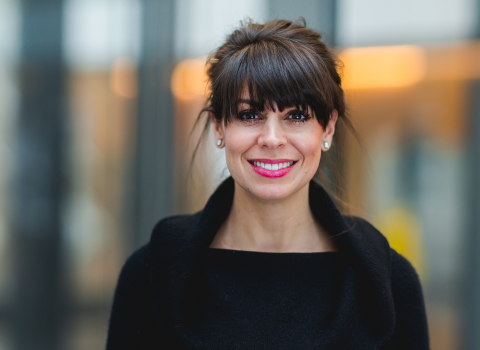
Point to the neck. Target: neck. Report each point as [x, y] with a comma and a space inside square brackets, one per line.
[280, 226]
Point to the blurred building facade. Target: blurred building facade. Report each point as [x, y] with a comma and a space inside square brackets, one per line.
[98, 98]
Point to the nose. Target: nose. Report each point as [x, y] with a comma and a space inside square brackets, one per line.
[272, 134]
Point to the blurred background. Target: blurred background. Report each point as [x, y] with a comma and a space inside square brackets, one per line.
[97, 100]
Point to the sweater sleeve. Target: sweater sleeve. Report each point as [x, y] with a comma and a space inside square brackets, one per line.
[131, 317]
[411, 330]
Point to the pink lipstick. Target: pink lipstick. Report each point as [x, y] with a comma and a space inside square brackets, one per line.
[272, 167]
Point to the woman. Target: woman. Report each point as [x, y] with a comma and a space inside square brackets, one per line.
[269, 263]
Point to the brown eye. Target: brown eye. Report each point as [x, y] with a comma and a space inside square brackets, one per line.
[248, 116]
[298, 116]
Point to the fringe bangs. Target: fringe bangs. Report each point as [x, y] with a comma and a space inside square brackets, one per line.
[271, 74]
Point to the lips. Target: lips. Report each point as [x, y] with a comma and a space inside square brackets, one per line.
[272, 167]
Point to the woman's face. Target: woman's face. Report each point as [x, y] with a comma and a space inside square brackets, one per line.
[273, 154]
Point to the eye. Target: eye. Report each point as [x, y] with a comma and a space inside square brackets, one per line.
[248, 116]
[298, 116]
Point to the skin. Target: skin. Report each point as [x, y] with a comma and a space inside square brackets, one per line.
[273, 214]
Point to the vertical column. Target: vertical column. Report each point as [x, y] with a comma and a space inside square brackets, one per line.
[476, 31]
[39, 179]
[471, 272]
[154, 158]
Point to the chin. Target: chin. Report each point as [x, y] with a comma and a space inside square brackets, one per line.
[273, 194]
[270, 191]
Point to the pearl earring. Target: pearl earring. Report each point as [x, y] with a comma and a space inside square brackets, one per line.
[326, 145]
[220, 143]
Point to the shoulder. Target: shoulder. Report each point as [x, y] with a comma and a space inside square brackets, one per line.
[365, 228]
[132, 321]
[138, 257]
[411, 329]
[134, 271]
[368, 243]
[130, 290]
[368, 235]
[175, 227]
[406, 285]
[402, 269]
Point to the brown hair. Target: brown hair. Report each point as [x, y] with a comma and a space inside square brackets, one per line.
[280, 62]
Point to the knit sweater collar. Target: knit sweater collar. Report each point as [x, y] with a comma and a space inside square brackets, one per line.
[178, 243]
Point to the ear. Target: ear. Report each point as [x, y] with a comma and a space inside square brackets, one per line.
[330, 129]
[217, 128]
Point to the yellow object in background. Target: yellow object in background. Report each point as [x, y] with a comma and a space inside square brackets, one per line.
[404, 234]
[189, 80]
[383, 66]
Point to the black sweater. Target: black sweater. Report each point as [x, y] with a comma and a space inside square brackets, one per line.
[177, 293]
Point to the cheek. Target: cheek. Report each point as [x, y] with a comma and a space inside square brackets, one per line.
[237, 142]
[310, 146]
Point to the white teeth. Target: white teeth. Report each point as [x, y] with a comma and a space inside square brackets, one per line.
[273, 166]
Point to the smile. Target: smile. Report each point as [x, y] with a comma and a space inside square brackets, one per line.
[272, 167]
